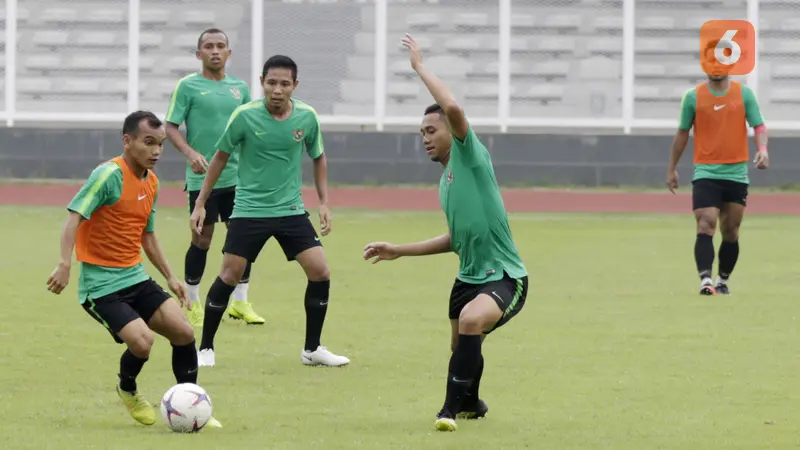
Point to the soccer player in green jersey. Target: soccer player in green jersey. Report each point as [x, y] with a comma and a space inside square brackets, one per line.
[269, 135]
[110, 221]
[492, 282]
[719, 109]
[204, 101]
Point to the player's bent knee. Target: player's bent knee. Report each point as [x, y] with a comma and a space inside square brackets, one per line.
[139, 342]
[232, 269]
[183, 334]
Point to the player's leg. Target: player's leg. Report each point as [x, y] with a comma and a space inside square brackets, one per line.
[245, 239]
[240, 308]
[299, 241]
[125, 326]
[730, 220]
[494, 305]
[164, 316]
[197, 255]
[473, 407]
[706, 204]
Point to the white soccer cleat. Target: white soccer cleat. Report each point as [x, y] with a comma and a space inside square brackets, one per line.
[205, 358]
[322, 357]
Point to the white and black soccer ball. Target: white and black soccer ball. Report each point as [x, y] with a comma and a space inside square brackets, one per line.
[186, 408]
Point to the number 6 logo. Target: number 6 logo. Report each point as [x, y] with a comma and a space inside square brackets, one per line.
[733, 44]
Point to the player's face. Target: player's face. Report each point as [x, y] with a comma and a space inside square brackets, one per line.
[145, 147]
[278, 86]
[435, 136]
[214, 51]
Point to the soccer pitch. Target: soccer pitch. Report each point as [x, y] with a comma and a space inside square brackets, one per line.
[614, 348]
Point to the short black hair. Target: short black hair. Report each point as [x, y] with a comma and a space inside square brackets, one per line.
[434, 108]
[280, 62]
[211, 31]
[131, 124]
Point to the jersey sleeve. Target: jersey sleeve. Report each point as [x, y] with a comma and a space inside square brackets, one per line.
[313, 139]
[751, 109]
[688, 105]
[470, 150]
[179, 103]
[103, 188]
[151, 219]
[233, 135]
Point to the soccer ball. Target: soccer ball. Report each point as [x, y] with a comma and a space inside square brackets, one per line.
[186, 408]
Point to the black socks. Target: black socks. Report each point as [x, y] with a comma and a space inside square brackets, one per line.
[129, 367]
[184, 363]
[728, 255]
[465, 364]
[195, 264]
[317, 293]
[704, 255]
[216, 303]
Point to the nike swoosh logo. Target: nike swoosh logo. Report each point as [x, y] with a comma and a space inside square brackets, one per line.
[260, 133]
[718, 107]
[204, 92]
[142, 196]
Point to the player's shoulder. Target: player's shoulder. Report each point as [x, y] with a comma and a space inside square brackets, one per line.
[303, 107]
[188, 81]
[248, 108]
[230, 79]
[104, 173]
[746, 89]
[689, 94]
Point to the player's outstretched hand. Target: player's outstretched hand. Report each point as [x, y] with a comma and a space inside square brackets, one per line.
[672, 180]
[762, 160]
[59, 279]
[325, 220]
[380, 251]
[177, 288]
[197, 219]
[414, 53]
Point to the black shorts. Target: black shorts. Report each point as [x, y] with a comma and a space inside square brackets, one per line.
[247, 236]
[711, 193]
[508, 293]
[219, 205]
[116, 310]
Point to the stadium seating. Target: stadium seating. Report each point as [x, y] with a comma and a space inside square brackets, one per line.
[565, 54]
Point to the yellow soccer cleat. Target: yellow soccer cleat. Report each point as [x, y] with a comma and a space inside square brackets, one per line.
[139, 408]
[243, 310]
[196, 315]
[213, 423]
[445, 424]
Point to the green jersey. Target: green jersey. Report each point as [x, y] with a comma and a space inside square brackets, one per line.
[733, 172]
[476, 216]
[104, 188]
[270, 157]
[205, 105]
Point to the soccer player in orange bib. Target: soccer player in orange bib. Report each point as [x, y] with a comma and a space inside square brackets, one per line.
[110, 221]
[719, 109]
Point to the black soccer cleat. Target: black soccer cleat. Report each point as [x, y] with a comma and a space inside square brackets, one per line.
[477, 410]
[707, 289]
[722, 289]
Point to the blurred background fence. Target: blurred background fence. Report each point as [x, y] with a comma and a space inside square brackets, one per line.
[574, 67]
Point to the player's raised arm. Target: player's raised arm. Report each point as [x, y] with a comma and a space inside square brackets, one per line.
[685, 124]
[440, 92]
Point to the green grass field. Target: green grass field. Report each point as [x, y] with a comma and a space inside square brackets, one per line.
[614, 349]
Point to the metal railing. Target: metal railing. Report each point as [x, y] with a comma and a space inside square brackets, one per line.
[625, 118]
